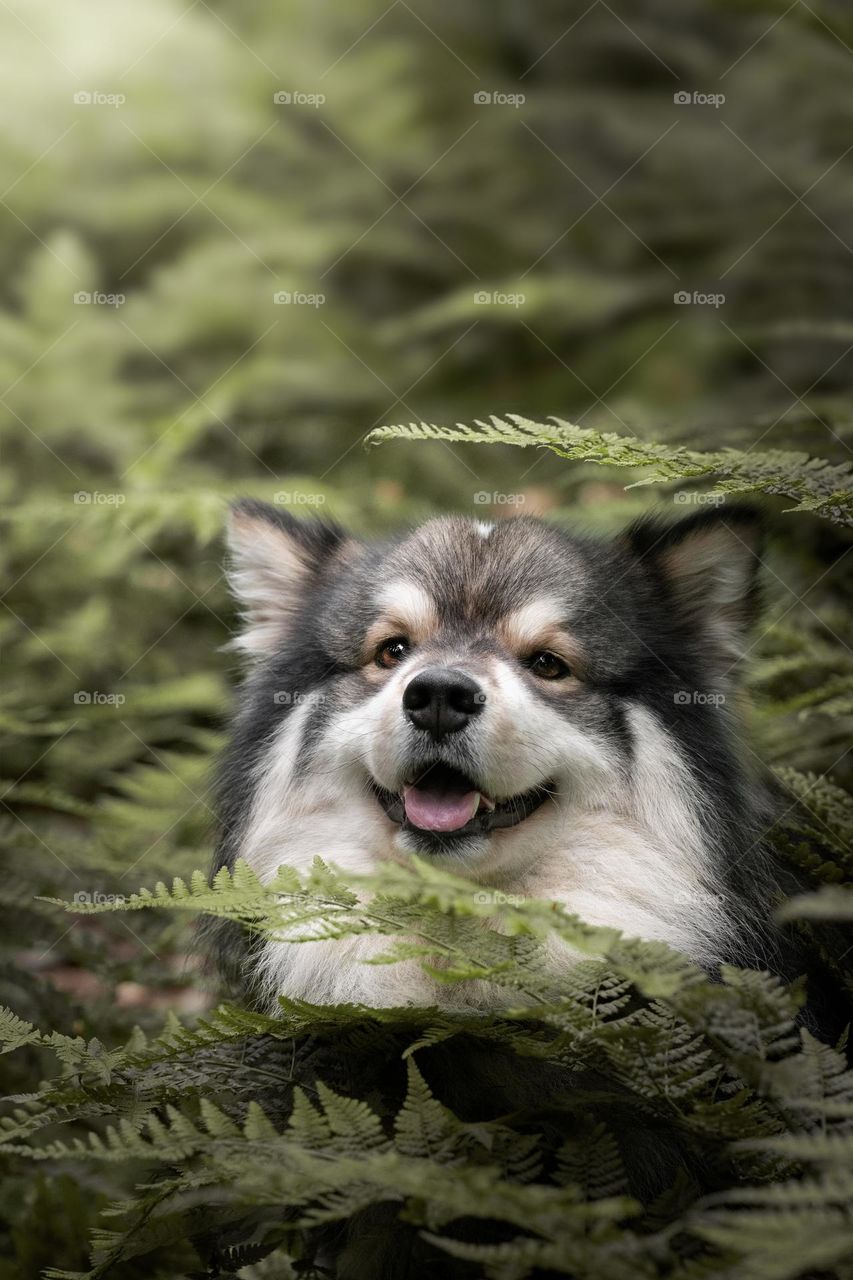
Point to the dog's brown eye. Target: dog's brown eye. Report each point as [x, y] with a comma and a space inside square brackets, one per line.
[547, 666]
[392, 652]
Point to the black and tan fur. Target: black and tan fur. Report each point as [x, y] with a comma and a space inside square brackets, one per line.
[623, 789]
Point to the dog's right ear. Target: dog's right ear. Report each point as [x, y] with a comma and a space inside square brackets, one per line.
[273, 558]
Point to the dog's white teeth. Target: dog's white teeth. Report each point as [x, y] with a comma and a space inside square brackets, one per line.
[485, 802]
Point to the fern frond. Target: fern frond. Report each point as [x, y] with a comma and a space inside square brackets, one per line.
[821, 487]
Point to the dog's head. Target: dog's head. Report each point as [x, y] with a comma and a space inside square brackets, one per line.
[472, 685]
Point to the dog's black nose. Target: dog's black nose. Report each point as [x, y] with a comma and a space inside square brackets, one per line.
[442, 700]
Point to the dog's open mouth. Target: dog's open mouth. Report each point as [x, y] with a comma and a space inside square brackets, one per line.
[442, 800]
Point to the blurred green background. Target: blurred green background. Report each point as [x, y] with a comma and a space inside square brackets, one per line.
[238, 236]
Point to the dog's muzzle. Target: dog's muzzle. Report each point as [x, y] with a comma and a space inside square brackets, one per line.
[438, 801]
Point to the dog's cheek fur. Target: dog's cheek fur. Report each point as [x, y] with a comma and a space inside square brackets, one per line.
[526, 740]
[624, 848]
[328, 811]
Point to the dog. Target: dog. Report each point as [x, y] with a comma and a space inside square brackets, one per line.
[550, 715]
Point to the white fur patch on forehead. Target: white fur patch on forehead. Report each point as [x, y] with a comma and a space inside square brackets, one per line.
[533, 621]
[484, 528]
[408, 606]
[539, 625]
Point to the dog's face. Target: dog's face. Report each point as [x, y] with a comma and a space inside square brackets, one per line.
[465, 691]
[466, 683]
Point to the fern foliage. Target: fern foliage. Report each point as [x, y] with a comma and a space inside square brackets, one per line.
[821, 487]
[536, 257]
[234, 1123]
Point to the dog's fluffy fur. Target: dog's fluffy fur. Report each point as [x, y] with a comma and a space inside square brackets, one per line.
[638, 801]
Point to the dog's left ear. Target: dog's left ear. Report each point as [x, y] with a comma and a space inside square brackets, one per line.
[273, 562]
[709, 564]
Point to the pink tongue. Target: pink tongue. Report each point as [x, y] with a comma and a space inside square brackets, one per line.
[439, 810]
